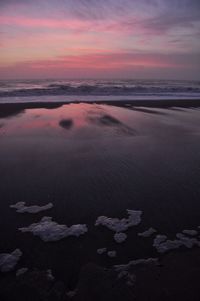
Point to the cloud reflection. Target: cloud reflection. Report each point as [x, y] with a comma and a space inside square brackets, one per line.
[66, 124]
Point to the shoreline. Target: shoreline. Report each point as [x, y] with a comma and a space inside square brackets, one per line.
[185, 103]
[12, 109]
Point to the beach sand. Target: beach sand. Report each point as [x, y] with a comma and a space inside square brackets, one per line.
[100, 159]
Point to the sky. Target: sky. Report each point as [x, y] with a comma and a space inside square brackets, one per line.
[100, 39]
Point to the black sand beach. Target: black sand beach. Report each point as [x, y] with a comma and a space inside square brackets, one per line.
[100, 159]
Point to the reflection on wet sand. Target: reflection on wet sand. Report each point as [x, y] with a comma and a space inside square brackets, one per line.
[10, 112]
[87, 120]
[80, 158]
[110, 121]
[11, 109]
[148, 111]
[37, 116]
[92, 120]
[66, 123]
[107, 120]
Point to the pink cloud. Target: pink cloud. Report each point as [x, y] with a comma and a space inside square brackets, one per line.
[108, 60]
[49, 23]
[134, 26]
[96, 61]
[102, 63]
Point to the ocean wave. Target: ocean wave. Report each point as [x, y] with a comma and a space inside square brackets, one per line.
[105, 89]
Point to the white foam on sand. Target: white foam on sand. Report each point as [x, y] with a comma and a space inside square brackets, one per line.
[101, 251]
[120, 237]
[159, 239]
[120, 225]
[21, 208]
[130, 277]
[165, 245]
[8, 261]
[112, 254]
[133, 263]
[49, 230]
[71, 294]
[148, 232]
[50, 275]
[21, 271]
[188, 242]
[123, 270]
[190, 232]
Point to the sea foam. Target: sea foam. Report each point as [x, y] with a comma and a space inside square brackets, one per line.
[148, 232]
[120, 225]
[21, 208]
[8, 261]
[162, 244]
[49, 230]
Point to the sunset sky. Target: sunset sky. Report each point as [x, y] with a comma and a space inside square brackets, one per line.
[100, 38]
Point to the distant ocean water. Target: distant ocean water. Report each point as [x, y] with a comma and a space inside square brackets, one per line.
[12, 91]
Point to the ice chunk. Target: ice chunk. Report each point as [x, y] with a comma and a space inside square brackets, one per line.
[190, 232]
[147, 233]
[112, 254]
[120, 225]
[8, 261]
[21, 208]
[101, 251]
[49, 230]
[120, 237]
[21, 271]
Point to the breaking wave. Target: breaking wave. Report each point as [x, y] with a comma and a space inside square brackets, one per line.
[130, 88]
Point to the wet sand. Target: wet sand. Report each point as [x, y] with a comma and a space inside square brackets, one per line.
[141, 103]
[99, 159]
[175, 277]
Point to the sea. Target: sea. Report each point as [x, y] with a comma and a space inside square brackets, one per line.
[62, 90]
